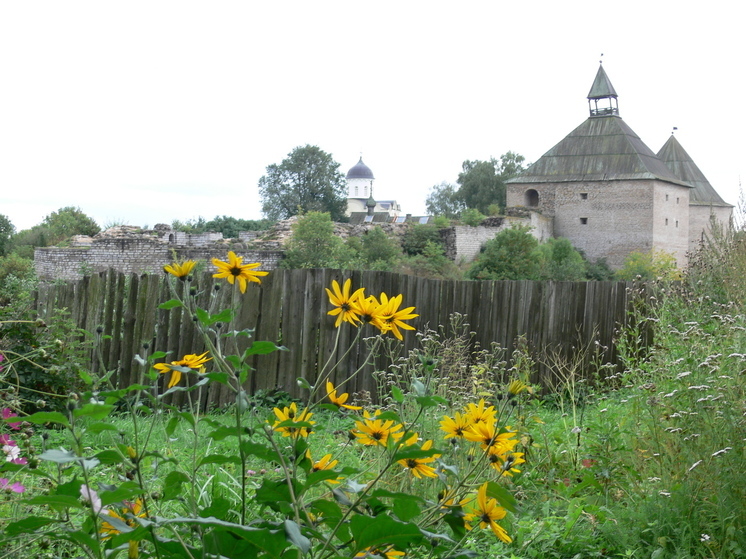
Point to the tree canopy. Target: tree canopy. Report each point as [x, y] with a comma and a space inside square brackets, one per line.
[307, 180]
[442, 201]
[6, 232]
[54, 228]
[482, 183]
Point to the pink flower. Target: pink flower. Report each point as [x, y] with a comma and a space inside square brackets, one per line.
[14, 488]
[5, 439]
[7, 413]
[88, 495]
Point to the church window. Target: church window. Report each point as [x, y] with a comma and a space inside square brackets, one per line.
[356, 190]
[583, 221]
[677, 221]
[666, 197]
[677, 199]
[666, 221]
[583, 195]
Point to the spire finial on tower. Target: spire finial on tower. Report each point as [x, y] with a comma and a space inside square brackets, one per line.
[675, 128]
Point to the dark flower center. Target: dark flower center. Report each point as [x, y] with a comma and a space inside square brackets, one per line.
[235, 271]
[412, 463]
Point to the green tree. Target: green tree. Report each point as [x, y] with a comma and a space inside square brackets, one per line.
[314, 244]
[482, 183]
[416, 238]
[560, 261]
[230, 227]
[472, 217]
[6, 232]
[649, 266]
[432, 263]
[66, 222]
[378, 251]
[307, 180]
[442, 201]
[510, 255]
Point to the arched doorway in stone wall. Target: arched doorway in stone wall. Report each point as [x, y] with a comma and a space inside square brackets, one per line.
[531, 198]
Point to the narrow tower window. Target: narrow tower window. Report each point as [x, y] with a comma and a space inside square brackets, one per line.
[583, 221]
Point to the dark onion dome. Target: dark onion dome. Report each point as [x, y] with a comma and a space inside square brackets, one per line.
[360, 171]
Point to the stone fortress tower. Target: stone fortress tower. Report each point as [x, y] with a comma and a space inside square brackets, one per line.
[610, 194]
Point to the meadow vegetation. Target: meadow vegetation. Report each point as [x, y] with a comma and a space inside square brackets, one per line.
[457, 455]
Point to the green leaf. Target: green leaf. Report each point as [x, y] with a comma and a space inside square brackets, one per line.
[303, 383]
[126, 491]
[172, 484]
[328, 509]
[397, 394]
[504, 498]
[430, 401]
[292, 532]
[218, 459]
[406, 509]
[262, 348]
[276, 495]
[223, 432]
[97, 428]
[171, 425]
[41, 417]
[172, 304]
[57, 502]
[418, 388]
[413, 452]
[382, 530]
[110, 457]
[59, 456]
[222, 378]
[340, 497]
[95, 411]
[28, 525]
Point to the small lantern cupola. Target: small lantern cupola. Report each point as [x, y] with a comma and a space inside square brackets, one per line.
[602, 99]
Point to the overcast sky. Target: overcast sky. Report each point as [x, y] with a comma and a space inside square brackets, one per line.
[145, 112]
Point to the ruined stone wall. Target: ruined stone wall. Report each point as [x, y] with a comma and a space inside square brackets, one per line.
[464, 242]
[700, 222]
[137, 256]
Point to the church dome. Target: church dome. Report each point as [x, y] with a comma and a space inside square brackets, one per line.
[360, 171]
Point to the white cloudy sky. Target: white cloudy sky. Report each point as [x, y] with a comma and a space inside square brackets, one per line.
[146, 112]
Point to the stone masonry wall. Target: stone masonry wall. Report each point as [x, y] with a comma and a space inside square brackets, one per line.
[133, 256]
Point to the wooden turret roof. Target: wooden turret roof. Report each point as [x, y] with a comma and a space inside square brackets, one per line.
[600, 149]
[681, 165]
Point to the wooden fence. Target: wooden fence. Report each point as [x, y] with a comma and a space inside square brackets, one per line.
[290, 308]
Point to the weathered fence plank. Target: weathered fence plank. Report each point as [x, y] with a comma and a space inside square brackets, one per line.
[291, 306]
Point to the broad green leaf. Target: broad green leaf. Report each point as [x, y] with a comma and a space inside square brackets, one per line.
[96, 428]
[303, 383]
[418, 388]
[172, 304]
[218, 459]
[328, 509]
[222, 378]
[41, 417]
[126, 491]
[59, 456]
[95, 411]
[57, 502]
[262, 348]
[382, 530]
[431, 401]
[504, 497]
[110, 457]
[414, 452]
[292, 532]
[28, 525]
[171, 425]
[224, 431]
[397, 394]
[172, 485]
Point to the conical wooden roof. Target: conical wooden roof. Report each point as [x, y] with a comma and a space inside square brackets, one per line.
[600, 149]
[677, 159]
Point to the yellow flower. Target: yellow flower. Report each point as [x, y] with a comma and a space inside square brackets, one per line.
[290, 413]
[181, 271]
[518, 386]
[375, 552]
[128, 514]
[491, 440]
[391, 316]
[340, 400]
[455, 426]
[486, 511]
[507, 467]
[234, 270]
[369, 311]
[419, 467]
[324, 463]
[373, 431]
[479, 414]
[190, 361]
[345, 303]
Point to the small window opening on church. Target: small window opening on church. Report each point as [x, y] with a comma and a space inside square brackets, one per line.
[677, 199]
[583, 195]
[677, 223]
[584, 221]
[666, 221]
[666, 197]
[356, 188]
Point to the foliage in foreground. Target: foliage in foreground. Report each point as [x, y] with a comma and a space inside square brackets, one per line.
[391, 488]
